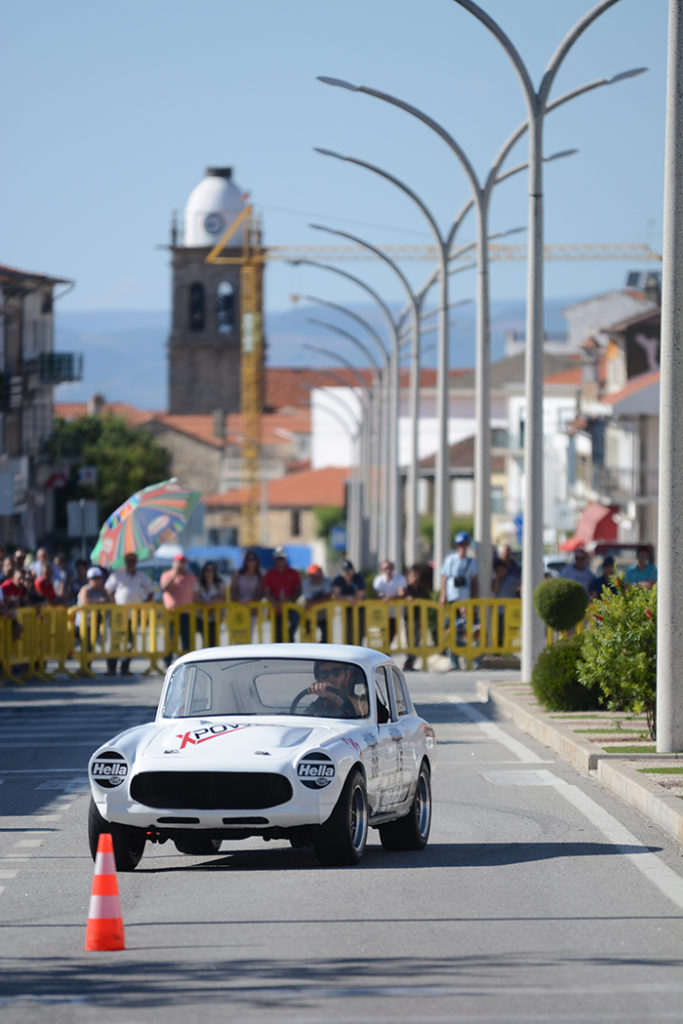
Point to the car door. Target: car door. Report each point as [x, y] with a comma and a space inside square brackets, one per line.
[410, 726]
[390, 746]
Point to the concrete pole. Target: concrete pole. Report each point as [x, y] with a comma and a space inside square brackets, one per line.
[670, 526]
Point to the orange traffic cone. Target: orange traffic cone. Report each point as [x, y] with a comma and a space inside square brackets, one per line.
[105, 924]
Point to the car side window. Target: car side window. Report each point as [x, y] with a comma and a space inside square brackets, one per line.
[383, 703]
[400, 695]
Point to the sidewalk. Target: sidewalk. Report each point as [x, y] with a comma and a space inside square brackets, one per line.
[607, 746]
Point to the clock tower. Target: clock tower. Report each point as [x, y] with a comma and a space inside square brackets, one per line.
[205, 342]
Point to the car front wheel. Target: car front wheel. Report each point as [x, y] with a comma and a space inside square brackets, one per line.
[341, 840]
[412, 831]
[129, 842]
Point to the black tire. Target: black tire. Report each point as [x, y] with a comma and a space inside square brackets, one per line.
[129, 842]
[341, 840]
[199, 845]
[412, 831]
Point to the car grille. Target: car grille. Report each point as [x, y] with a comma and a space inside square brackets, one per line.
[210, 790]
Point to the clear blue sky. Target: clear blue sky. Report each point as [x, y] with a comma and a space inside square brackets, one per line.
[113, 111]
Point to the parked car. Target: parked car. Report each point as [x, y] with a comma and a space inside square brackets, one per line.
[554, 564]
[305, 742]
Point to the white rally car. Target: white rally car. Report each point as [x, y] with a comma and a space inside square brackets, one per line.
[311, 743]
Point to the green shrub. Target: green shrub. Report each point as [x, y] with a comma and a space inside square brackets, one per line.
[620, 650]
[555, 679]
[561, 603]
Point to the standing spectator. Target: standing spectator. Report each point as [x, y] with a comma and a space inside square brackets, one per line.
[210, 590]
[7, 568]
[317, 590]
[459, 582]
[129, 585]
[388, 585]
[282, 584]
[91, 592]
[19, 557]
[13, 588]
[246, 585]
[644, 573]
[579, 571]
[61, 576]
[11, 614]
[45, 587]
[78, 580]
[178, 585]
[349, 586]
[415, 590]
[606, 578]
[507, 582]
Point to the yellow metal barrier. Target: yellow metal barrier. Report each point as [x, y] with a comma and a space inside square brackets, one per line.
[58, 640]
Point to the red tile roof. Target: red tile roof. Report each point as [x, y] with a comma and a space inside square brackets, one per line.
[79, 410]
[303, 489]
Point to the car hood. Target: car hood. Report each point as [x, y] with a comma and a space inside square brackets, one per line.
[231, 741]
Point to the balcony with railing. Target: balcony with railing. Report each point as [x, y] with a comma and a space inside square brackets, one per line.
[616, 484]
[60, 367]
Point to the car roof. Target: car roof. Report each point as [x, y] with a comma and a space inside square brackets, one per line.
[364, 656]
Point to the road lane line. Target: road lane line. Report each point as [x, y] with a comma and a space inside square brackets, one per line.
[494, 732]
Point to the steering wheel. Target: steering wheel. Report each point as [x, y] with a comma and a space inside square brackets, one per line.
[347, 709]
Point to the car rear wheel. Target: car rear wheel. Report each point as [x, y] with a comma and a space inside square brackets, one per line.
[412, 831]
[341, 840]
[129, 842]
[198, 846]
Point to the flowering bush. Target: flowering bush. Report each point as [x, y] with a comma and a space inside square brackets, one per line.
[619, 654]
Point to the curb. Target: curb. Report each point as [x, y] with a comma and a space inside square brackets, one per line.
[612, 771]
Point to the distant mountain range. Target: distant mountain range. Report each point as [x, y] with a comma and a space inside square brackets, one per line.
[125, 351]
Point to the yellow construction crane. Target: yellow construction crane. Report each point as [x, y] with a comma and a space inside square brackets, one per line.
[252, 261]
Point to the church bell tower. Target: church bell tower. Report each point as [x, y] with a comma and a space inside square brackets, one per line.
[204, 348]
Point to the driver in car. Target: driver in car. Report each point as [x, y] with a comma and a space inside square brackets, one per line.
[335, 686]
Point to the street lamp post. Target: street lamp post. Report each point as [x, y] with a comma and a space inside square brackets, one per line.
[393, 355]
[374, 538]
[373, 499]
[411, 489]
[536, 100]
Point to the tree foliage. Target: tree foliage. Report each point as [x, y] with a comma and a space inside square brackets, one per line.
[619, 652]
[126, 458]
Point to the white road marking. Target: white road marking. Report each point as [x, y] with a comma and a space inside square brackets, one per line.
[494, 732]
[662, 877]
[26, 843]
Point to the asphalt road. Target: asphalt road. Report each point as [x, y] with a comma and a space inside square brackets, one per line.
[540, 898]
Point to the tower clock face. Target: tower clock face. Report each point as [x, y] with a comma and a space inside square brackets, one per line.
[214, 223]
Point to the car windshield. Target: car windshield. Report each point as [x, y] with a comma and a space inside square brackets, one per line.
[266, 686]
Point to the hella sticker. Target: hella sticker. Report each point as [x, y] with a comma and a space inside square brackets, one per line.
[315, 771]
[109, 770]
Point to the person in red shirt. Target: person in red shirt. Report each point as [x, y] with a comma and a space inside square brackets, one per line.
[282, 584]
[177, 590]
[13, 590]
[45, 586]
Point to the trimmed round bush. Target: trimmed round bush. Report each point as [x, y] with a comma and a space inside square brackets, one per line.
[555, 679]
[561, 603]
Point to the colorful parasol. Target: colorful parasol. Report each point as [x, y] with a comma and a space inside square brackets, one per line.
[153, 516]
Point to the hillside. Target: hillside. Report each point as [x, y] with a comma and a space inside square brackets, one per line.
[125, 351]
